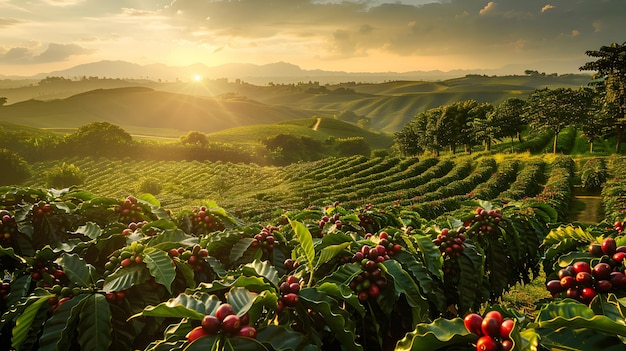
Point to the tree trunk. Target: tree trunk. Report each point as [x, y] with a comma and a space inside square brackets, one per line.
[556, 135]
[488, 145]
[591, 146]
[620, 132]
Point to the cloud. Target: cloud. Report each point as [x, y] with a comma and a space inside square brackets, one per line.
[490, 7]
[547, 7]
[9, 22]
[63, 3]
[54, 53]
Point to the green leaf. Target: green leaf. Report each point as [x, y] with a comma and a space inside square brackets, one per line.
[432, 288]
[194, 306]
[306, 242]
[207, 343]
[572, 314]
[240, 248]
[338, 320]
[150, 199]
[77, 270]
[59, 331]
[431, 254]
[216, 266]
[8, 251]
[341, 292]
[343, 275]
[440, 334]
[187, 273]
[24, 322]
[90, 230]
[124, 278]
[94, 329]
[171, 239]
[239, 343]
[283, 339]
[261, 269]
[241, 299]
[404, 284]
[471, 264]
[160, 266]
[330, 252]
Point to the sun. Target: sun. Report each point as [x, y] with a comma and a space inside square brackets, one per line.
[197, 77]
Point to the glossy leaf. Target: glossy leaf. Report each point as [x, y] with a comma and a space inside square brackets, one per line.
[194, 306]
[330, 252]
[94, 329]
[77, 269]
[403, 283]
[24, 322]
[60, 330]
[262, 269]
[124, 278]
[438, 335]
[305, 240]
[337, 319]
[160, 266]
[281, 338]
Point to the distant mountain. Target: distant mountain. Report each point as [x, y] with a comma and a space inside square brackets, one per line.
[279, 72]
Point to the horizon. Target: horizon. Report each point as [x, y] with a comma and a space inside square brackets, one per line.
[357, 36]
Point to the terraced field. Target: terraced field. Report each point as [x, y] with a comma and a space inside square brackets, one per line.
[430, 186]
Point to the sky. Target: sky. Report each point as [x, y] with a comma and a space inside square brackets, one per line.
[354, 36]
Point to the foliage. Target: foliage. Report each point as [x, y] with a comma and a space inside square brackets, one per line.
[14, 169]
[194, 137]
[151, 185]
[609, 65]
[64, 175]
[593, 174]
[99, 139]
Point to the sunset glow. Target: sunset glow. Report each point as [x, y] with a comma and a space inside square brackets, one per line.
[352, 36]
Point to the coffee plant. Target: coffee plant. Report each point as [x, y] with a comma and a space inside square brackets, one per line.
[82, 271]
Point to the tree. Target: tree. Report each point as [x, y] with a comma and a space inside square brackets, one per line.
[611, 67]
[99, 139]
[486, 127]
[3, 101]
[598, 122]
[407, 139]
[554, 109]
[509, 113]
[194, 137]
[14, 169]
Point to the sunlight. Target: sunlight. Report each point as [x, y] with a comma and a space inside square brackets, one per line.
[197, 78]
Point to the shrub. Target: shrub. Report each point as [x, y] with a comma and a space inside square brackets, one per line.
[14, 169]
[150, 185]
[64, 176]
[593, 174]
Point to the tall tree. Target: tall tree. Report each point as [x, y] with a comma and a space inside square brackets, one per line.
[554, 109]
[509, 113]
[611, 67]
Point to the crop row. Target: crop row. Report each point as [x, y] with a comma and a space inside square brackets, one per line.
[527, 182]
[614, 191]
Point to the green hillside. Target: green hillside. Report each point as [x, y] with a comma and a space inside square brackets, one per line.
[171, 109]
[327, 128]
[147, 111]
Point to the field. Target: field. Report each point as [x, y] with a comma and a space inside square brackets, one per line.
[513, 249]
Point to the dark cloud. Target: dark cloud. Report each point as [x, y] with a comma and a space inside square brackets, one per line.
[459, 27]
[54, 53]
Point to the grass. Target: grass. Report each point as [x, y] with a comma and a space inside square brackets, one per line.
[524, 297]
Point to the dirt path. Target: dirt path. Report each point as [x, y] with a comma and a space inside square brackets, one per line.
[317, 124]
[590, 208]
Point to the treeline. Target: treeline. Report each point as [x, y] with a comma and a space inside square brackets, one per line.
[598, 110]
[102, 139]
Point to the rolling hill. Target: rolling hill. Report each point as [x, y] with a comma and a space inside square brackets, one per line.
[146, 111]
[171, 109]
